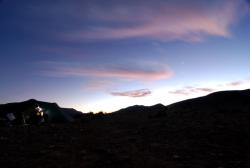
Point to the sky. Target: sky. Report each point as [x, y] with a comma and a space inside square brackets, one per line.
[95, 55]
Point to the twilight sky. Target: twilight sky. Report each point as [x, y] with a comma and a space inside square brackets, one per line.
[97, 55]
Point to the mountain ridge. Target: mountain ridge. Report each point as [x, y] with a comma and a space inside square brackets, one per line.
[210, 131]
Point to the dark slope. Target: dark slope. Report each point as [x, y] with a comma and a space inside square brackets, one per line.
[141, 109]
[74, 114]
[223, 99]
[228, 108]
[215, 101]
[218, 107]
[207, 132]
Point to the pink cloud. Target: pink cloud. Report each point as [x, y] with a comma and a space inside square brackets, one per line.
[189, 90]
[186, 91]
[147, 73]
[180, 92]
[99, 85]
[168, 22]
[236, 83]
[133, 93]
[206, 89]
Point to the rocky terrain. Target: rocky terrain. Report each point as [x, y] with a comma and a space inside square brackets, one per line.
[207, 132]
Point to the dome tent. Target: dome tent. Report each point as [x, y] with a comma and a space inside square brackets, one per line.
[33, 112]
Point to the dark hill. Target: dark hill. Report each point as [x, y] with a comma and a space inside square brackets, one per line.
[74, 114]
[216, 108]
[223, 99]
[226, 108]
[206, 132]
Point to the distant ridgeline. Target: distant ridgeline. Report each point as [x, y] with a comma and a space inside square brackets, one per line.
[35, 112]
[225, 109]
[219, 107]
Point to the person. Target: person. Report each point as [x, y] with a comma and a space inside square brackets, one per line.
[46, 117]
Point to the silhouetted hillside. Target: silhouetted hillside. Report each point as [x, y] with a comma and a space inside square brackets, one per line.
[72, 112]
[228, 108]
[206, 132]
[231, 107]
[223, 99]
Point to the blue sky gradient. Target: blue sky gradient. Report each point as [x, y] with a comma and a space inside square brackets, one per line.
[98, 55]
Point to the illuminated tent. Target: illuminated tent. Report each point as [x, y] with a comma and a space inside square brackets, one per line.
[33, 112]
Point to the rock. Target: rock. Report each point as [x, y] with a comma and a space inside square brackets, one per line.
[176, 156]
[3, 138]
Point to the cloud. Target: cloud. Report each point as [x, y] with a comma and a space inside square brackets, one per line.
[191, 90]
[205, 89]
[236, 83]
[180, 92]
[133, 93]
[166, 21]
[82, 20]
[147, 72]
[99, 85]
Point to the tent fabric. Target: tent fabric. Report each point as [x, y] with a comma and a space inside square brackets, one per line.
[27, 112]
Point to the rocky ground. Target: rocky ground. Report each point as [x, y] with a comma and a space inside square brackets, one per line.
[111, 142]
